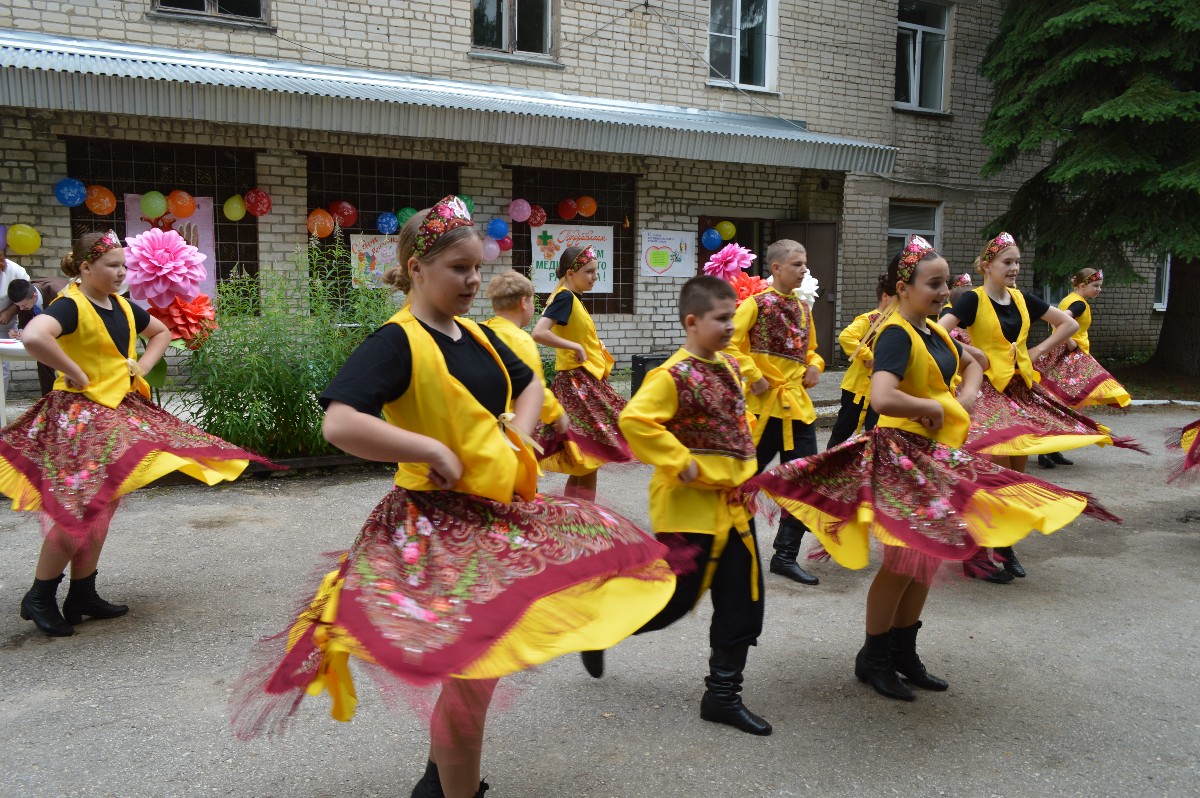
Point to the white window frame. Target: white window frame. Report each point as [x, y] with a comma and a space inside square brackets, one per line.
[772, 55]
[509, 31]
[933, 236]
[1162, 279]
[211, 12]
[914, 65]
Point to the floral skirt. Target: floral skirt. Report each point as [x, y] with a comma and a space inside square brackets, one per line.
[443, 585]
[1186, 440]
[72, 458]
[1025, 421]
[594, 438]
[924, 501]
[1078, 379]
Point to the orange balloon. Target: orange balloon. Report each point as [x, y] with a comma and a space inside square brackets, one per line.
[586, 206]
[100, 200]
[181, 204]
[320, 223]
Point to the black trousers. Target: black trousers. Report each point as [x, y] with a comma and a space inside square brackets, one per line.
[804, 443]
[847, 419]
[737, 619]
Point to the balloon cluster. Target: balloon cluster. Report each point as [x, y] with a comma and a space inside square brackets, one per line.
[255, 202]
[154, 204]
[569, 208]
[72, 192]
[713, 237]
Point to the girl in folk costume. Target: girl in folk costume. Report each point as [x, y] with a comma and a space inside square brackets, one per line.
[1186, 440]
[581, 367]
[96, 436]
[462, 573]
[855, 412]
[1014, 416]
[909, 482]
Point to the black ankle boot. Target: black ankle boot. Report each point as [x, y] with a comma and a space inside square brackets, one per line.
[787, 547]
[430, 785]
[722, 702]
[1009, 561]
[873, 665]
[82, 600]
[980, 566]
[906, 662]
[40, 605]
[1045, 461]
[593, 663]
[1057, 457]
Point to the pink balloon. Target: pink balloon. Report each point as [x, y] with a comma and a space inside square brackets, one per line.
[519, 210]
[491, 249]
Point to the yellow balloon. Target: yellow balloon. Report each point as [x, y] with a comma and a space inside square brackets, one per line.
[23, 239]
[727, 230]
[235, 208]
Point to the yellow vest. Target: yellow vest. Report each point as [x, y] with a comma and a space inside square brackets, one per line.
[923, 379]
[1085, 321]
[1005, 358]
[524, 347]
[93, 350]
[580, 330]
[496, 464]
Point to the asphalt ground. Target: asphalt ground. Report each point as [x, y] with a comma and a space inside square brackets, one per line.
[1080, 680]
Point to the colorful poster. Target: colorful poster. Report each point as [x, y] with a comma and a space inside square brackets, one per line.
[196, 229]
[668, 253]
[550, 240]
[370, 257]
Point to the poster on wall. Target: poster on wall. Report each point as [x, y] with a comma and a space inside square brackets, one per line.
[668, 253]
[550, 240]
[370, 257]
[196, 229]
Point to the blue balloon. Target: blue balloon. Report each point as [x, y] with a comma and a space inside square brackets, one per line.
[497, 228]
[711, 239]
[70, 192]
[387, 223]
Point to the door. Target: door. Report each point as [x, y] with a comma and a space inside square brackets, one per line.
[820, 239]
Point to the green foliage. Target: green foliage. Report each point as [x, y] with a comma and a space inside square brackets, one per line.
[1110, 89]
[281, 340]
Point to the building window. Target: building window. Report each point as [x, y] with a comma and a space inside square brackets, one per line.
[921, 54]
[616, 208]
[237, 10]
[906, 220]
[1162, 282]
[740, 33]
[513, 26]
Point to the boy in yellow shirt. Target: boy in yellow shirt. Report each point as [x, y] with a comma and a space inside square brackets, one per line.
[856, 410]
[689, 421]
[776, 347]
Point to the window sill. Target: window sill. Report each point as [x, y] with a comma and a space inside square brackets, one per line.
[208, 19]
[1160, 308]
[717, 83]
[908, 109]
[525, 59]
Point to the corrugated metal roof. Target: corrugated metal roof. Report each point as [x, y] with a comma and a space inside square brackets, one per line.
[57, 73]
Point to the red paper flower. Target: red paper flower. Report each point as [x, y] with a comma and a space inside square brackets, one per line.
[747, 285]
[192, 321]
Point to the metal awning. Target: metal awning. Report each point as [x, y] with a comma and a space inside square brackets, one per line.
[83, 75]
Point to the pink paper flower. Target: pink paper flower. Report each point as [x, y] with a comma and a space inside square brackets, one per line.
[729, 261]
[162, 266]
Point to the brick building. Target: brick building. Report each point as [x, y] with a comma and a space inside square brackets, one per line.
[849, 125]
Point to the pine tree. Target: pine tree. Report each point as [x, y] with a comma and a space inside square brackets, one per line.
[1108, 93]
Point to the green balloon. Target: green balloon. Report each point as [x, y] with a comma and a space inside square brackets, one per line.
[153, 204]
[469, 201]
[404, 214]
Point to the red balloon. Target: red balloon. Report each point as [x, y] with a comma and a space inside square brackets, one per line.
[567, 209]
[505, 243]
[344, 212]
[258, 202]
[320, 223]
[537, 216]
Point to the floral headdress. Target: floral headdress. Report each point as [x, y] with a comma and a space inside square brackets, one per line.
[105, 243]
[444, 216]
[1000, 242]
[587, 256]
[1096, 277]
[914, 251]
[961, 281]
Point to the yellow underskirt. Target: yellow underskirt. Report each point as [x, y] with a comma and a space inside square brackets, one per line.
[570, 460]
[1109, 392]
[1188, 438]
[1026, 445]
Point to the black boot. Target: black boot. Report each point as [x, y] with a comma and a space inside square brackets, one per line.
[906, 662]
[873, 665]
[787, 547]
[40, 605]
[82, 600]
[980, 566]
[1009, 561]
[722, 702]
[430, 785]
[1045, 461]
[593, 662]
[1057, 457]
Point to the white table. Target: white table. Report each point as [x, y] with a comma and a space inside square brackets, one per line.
[10, 349]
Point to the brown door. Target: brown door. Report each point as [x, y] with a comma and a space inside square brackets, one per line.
[820, 239]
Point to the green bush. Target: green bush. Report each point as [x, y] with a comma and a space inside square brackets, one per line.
[255, 381]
